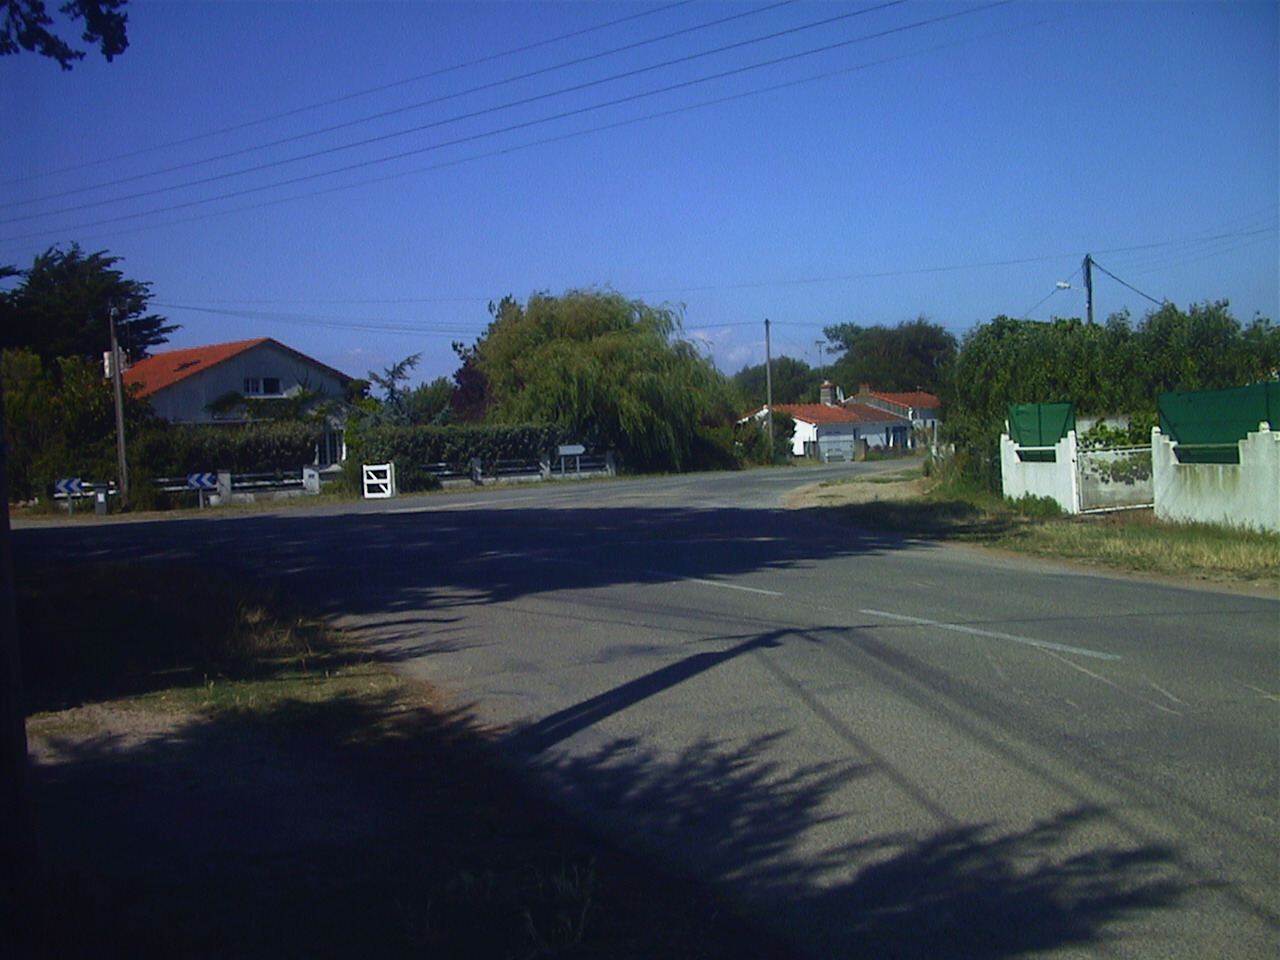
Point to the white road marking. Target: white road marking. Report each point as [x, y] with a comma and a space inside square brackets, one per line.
[1043, 644]
[714, 583]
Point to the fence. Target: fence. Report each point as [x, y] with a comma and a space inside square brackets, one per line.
[216, 488]
[1079, 480]
[478, 471]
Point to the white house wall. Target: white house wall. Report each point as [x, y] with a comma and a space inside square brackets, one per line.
[188, 400]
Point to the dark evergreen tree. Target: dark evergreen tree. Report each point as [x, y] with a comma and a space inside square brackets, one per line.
[63, 306]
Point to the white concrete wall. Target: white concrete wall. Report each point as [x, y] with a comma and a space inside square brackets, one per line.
[1058, 480]
[1244, 494]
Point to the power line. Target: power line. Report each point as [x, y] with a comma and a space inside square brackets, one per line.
[1158, 303]
[560, 116]
[434, 101]
[350, 96]
[472, 115]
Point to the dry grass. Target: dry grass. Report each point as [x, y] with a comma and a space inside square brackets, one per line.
[1130, 540]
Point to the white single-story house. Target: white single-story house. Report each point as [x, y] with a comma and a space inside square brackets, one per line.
[194, 385]
[831, 431]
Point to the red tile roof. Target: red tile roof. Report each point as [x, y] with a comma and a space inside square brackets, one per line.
[916, 398]
[864, 413]
[851, 412]
[163, 370]
[815, 412]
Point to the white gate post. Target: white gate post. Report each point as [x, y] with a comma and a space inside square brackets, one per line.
[379, 480]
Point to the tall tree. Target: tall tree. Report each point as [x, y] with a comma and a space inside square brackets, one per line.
[611, 369]
[914, 355]
[794, 381]
[26, 24]
[63, 307]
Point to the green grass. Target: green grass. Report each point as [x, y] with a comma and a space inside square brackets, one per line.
[194, 722]
[1131, 540]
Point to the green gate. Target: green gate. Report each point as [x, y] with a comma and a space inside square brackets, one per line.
[1206, 426]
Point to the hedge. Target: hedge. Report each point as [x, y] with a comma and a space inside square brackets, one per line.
[413, 448]
[174, 451]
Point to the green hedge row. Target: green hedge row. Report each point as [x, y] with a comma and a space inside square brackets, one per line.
[175, 451]
[413, 448]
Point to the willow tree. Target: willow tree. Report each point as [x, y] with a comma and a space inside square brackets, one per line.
[612, 370]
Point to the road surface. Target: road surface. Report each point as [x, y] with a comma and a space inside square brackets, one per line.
[888, 748]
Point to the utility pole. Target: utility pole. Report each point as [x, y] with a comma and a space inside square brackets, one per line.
[19, 855]
[1088, 287]
[121, 460]
[768, 385]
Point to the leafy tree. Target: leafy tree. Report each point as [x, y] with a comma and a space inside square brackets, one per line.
[62, 308]
[429, 403]
[25, 26]
[1111, 368]
[1206, 348]
[794, 381]
[913, 355]
[61, 424]
[612, 370]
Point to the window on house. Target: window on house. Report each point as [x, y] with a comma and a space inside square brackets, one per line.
[262, 386]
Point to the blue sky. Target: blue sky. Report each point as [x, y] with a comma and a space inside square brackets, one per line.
[359, 180]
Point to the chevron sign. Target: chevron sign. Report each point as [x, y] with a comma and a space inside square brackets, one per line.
[69, 487]
[202, 481]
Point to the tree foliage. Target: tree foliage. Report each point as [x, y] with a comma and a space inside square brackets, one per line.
[794, 381]
[1114, 368]
[612, 370]
[26, 24]
[914, 355]
[62, 308]
[60, 424]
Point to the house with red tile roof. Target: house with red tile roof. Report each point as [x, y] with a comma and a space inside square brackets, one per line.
[839, 431]
[921, 408]
[188, 386]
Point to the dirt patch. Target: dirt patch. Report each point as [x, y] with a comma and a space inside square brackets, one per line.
[856, 491]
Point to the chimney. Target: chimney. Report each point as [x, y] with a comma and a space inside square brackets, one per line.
[827, 393]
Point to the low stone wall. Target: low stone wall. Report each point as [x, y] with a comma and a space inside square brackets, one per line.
[1244, 494]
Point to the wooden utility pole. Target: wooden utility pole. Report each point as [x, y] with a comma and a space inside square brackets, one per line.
[121, 461]
[1088, 288]
[18, 852]
[768, 385]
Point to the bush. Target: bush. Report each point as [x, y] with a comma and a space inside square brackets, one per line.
[175, 451]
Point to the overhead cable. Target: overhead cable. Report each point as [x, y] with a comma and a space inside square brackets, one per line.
[351, 96]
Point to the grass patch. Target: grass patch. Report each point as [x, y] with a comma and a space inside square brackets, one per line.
[1131, 540]
[219, 775]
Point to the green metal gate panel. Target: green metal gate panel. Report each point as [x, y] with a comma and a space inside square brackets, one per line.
[1040, 425]
[1207, 425]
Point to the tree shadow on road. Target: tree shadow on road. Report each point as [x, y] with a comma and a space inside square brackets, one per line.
[974, 891]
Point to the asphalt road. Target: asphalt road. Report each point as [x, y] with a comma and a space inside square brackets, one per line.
[888, 748]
